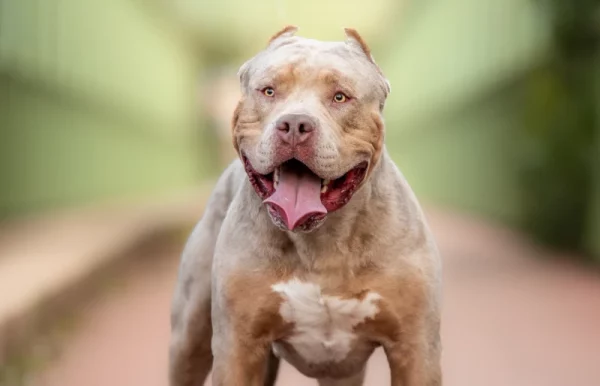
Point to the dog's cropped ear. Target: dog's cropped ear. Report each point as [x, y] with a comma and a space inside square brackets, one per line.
[353, 38]
[287, 31]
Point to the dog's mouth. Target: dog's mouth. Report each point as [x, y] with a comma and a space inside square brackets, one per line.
[298, 199]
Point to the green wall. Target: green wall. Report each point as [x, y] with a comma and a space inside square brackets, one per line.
[96, 101]
[465, 158]
[454, 107]
[593, 236]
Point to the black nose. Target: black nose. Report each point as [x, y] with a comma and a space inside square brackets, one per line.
[295, 128]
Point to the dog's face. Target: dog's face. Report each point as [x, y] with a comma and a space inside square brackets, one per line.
[308, 126]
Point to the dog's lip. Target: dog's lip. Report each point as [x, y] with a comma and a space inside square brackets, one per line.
[273, 169]
[335, 193]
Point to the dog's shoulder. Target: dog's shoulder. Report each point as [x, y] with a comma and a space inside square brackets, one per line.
[231, 179]
[215, 210]
[226, 188]
[396, 214]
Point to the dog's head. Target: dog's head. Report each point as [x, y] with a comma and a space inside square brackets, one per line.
[308, 127]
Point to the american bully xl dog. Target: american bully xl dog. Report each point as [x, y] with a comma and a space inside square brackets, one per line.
[313, 247]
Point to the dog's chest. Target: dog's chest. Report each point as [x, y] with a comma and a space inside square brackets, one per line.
[324, 325]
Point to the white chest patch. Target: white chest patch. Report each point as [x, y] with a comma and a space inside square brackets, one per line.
[323, 324]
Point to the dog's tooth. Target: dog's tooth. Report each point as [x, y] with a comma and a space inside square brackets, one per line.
[324, 185]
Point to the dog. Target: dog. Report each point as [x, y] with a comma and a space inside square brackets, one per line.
[313, 247]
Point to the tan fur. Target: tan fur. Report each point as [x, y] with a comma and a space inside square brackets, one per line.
[378, 243]
[257, 324]
[287, 30]
[353, 34]
[358, 129]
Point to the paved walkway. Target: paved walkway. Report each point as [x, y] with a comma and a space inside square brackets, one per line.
[512, 317]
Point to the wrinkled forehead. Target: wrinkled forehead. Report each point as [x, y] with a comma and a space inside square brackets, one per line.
[304, 59]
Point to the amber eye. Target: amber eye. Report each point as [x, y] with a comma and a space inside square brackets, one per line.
[340, 98]
[269, 92]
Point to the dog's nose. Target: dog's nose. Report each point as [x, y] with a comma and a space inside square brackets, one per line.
[295, 128]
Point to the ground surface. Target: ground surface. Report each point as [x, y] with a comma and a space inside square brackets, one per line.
[511, 318]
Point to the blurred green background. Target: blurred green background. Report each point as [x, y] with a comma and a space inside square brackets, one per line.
[494, 107]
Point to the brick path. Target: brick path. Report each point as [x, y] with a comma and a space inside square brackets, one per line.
[512, 317]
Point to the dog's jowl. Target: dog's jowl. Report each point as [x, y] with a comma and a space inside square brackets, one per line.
[312, 248]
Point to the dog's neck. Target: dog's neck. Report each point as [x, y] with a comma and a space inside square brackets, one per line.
[375, 208]
[380, 212]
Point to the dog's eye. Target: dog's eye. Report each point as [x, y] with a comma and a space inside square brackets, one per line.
[268, 91]
[340, 97]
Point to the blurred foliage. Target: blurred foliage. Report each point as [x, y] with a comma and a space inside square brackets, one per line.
[560, 124]
[236, 29]
[90, 127]
[97, 103]
[454, 111]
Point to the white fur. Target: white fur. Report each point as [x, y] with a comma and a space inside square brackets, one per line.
[323, 325]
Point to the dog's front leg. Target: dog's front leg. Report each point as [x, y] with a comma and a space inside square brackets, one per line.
[239, 363]
[413, 347]
[246, 321]
[191, 329]
[415, 363]
[190, 351]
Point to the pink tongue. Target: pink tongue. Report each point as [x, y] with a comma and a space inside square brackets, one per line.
[297, 197]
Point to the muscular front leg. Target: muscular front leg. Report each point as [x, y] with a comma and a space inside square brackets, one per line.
[191, 329]
[243, 363]
[246, 321]
[190, 350]
[416, 361]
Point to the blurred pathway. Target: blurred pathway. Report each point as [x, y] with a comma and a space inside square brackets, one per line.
[511, 318]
